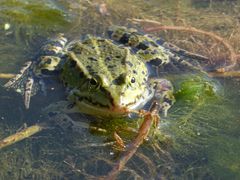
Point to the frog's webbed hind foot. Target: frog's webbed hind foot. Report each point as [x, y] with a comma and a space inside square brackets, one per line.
[181, 52]
[15, 81]
[180, 57]
[23, 83]
[163, 94]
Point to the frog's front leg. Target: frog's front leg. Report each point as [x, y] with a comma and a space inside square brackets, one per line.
[163, 94]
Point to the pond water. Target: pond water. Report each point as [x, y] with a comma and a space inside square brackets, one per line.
[199, 139]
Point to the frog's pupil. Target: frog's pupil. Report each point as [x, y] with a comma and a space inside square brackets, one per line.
[93, 82]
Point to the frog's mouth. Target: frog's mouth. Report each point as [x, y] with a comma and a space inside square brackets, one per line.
[90, 106]
[110, 107]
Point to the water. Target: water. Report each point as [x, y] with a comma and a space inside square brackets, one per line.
[198, 140]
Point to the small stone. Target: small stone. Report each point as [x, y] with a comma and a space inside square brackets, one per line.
[7, 26]
[18, 90]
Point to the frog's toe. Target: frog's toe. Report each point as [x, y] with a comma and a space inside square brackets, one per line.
[28, 92]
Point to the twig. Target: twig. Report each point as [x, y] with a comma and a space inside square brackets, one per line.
[23, 134]
[7, 75]
[149, 117]
[225, 74]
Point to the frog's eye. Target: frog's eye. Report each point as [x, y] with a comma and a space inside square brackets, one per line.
[93, 84]
[133, 80]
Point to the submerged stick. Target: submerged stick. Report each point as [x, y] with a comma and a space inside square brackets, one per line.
[7, 75]
[225, 74]
[149, 117]
[23, 134]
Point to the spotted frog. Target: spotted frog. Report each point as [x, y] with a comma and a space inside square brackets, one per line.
[105, 76]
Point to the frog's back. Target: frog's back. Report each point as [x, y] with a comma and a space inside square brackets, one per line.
[104, 60]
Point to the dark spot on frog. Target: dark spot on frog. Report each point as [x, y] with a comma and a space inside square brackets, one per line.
[154, 52]
[160, 41]
[155, 62]
[121, 79]
[108, 58]
[142, 46]
[117, 56]
[124, 39]
[143, 72]
[111, 66]
[134, 71]
[146, 52]
[101, 40]
[92, 58]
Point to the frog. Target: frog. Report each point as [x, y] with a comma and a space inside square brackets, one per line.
[104, 77]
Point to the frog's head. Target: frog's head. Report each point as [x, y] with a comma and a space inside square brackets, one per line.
[106, 79]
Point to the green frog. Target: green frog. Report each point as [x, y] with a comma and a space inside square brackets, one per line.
[105, 77]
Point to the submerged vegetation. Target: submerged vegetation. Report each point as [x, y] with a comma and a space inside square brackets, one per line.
[190, 143]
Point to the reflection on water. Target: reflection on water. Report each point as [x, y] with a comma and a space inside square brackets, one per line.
[198, 140]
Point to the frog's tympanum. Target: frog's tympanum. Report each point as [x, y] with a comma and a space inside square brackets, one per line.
[104, 76]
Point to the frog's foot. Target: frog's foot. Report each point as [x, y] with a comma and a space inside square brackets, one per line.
[23, 83]
[62, 106]
[14, 82]
[178, 61]
[65, 122]
[163, 94]
[28, 92]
